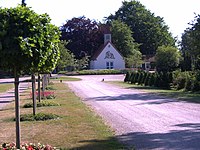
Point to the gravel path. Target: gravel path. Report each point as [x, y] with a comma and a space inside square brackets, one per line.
[144, 120]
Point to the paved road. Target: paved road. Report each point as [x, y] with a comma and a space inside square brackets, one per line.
[141, 119]
[8, 97]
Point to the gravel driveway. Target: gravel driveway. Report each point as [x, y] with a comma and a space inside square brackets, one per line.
[144, 120]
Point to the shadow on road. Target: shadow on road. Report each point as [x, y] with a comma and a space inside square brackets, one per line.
[145, 98]
[176, 139]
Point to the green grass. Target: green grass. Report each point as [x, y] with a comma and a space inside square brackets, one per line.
[78, 128]
[177, 94]
[6, 87]
[66, 78]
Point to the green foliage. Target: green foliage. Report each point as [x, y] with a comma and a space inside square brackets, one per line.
[190, 46]
[38, 117]
[30, 37]
[151, 79]
[127, 77]
[148, 30]
[167, 59]
[83, 35]
[41, 104]
[67, 59]
[94, 72]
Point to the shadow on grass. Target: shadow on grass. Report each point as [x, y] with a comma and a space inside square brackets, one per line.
[177, 94]
[183, 136]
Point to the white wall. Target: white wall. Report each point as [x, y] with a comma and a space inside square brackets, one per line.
[100, 62]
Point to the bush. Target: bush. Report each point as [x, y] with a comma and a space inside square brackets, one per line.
[151, 79]
[127, 77]
[146, 81]
[38, 117]
[41, 104]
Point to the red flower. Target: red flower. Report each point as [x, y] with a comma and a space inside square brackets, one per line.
[30, 148]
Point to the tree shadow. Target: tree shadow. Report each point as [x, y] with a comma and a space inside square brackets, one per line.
[187, 136]
[4, 101]
[141, 98]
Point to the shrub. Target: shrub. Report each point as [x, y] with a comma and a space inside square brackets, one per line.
[127, 78]
[38, 117]
[151, 79]
[41, 104]
[147, 79]
[140, 77]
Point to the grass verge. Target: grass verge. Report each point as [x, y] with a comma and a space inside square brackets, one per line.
[65, 78]
[180, 95]
[5, 87]
[78, 127]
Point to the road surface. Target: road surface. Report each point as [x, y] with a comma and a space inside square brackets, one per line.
[144, 120]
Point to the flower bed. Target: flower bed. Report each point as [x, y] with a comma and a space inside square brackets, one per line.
[46, 94]
[25, 146]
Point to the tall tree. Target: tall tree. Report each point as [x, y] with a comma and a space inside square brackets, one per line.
[82, 35]
[148, 30]
[27, 42]
[190, 46]
[124, 42]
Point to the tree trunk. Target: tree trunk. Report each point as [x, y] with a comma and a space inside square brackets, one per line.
[39, 93]
[43, 86]
[33, 94]
[17, 109]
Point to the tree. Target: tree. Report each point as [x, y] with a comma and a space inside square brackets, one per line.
[124, 42]
[27, 42]
[148, 30]
[66, 57]
[83, 36]
[122, 38]
[167, 58]
[190, 46]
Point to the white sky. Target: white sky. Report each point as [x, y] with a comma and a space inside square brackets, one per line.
[176, 13]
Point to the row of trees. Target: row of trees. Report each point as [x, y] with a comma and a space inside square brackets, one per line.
[28, 43]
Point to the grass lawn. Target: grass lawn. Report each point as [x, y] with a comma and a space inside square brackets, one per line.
[5, 87]
[78, 128]
[180, 95]
[66, 78]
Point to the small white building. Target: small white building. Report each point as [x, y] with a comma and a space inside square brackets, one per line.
[107, 56]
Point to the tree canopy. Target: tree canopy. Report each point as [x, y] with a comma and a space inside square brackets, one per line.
[83, 36]
[28, 40]
[124, 42]
[190, 46]
[66, 57]
[148, 30]
[167, 58]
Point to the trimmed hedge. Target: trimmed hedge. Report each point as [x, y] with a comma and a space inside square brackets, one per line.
[95, 72]
[189, 81]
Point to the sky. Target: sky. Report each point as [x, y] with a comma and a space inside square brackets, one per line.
[176, 13]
